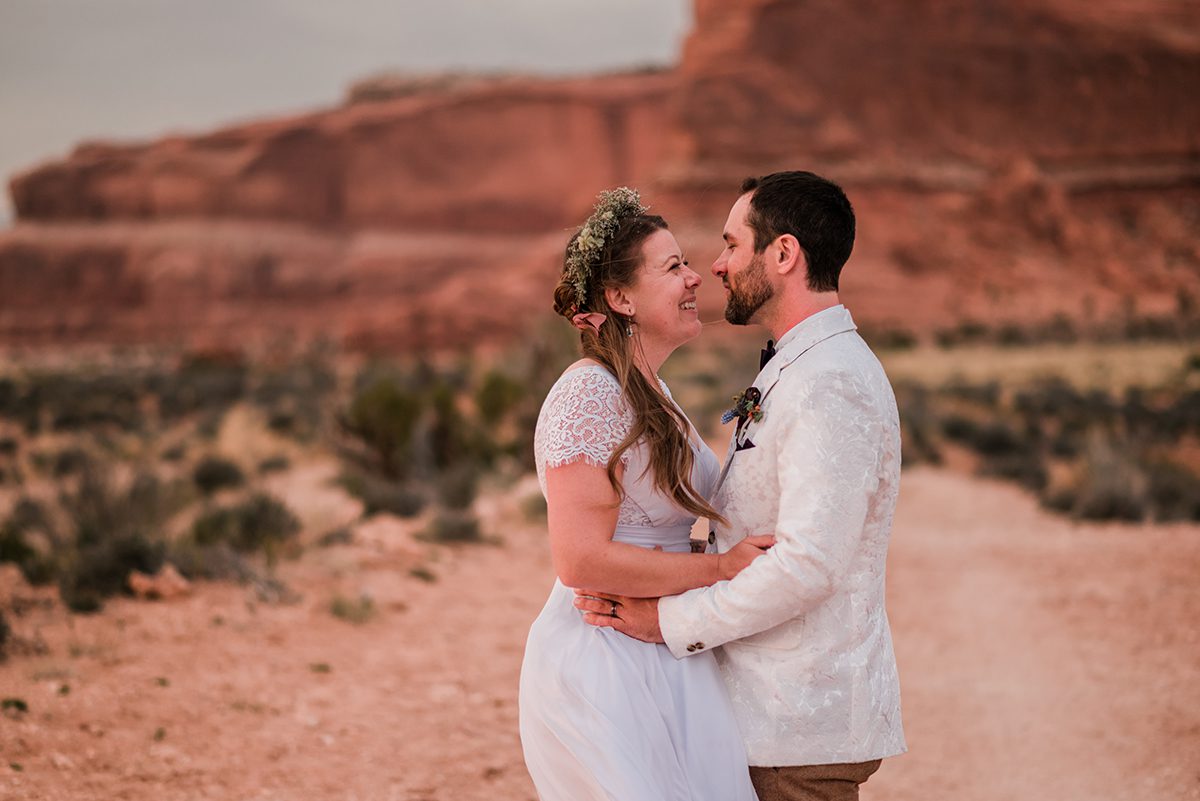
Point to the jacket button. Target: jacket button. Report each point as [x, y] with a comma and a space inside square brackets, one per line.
[712, 538]
[699, 646]
[691, 648]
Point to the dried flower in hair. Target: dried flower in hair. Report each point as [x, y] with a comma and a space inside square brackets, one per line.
[583, 254]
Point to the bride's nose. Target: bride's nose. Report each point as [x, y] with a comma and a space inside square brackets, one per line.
[692, 278]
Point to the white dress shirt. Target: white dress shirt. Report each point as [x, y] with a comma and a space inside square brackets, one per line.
[805, 646]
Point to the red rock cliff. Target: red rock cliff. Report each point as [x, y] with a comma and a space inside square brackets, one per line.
[1009, 161]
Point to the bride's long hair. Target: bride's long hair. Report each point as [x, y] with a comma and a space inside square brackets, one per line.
[656, 420]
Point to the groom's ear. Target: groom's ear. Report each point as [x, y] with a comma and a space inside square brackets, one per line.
[789, 256]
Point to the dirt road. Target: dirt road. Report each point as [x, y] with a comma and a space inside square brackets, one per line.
[1039, 660]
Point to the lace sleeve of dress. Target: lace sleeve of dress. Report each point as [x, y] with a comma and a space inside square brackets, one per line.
[584, 418]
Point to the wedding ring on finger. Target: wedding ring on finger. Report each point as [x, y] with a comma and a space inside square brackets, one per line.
[613, 613]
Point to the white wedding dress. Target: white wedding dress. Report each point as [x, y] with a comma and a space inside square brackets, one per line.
[604, 716]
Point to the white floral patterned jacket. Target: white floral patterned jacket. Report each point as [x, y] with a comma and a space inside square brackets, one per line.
[804, 640]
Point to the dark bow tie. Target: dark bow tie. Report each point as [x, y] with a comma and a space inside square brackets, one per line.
[767, 353]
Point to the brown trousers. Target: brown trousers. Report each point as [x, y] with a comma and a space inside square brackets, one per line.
[812, 782]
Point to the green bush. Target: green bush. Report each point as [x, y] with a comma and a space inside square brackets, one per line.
[29, 517]
[260, 523]
[213, 473]
[216, 562]
[69, 461]
[293, 396]
[918, 426]
[1174, 491]
[112, 531]
[381, 495]
[203, 383]
[498, 394]
[357, 610]
[454, 527]
[383, 417]
[5, 636]
[458, 486]
[102, 568]
[274, 464]
[175, 453]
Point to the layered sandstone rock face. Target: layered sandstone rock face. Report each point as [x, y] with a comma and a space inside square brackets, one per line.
[1009, 161]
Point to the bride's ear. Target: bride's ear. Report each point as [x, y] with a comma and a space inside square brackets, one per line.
[618, 301]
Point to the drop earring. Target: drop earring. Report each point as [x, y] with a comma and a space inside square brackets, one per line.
[629, 326]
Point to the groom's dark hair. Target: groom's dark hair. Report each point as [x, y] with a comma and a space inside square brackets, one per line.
[810, 208]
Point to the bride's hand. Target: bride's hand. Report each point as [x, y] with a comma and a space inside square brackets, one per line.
[737, 558]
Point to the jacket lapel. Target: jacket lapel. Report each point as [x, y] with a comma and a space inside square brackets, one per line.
[811, 332]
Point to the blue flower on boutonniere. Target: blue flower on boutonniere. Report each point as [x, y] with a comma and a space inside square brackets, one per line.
[746, 406]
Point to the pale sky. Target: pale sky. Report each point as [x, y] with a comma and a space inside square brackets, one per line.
[115, 69]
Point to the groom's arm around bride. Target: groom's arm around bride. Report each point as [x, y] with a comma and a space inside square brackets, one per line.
[807, 651]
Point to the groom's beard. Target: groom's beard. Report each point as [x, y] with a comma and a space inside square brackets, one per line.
[748, 291]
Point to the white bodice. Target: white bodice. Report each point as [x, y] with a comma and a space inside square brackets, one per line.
[585, 418]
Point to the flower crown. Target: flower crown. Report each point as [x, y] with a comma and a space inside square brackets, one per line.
[583, 253]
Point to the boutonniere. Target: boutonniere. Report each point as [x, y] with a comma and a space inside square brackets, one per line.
[746, 406]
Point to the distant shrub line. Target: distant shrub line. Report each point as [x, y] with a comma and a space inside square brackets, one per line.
[1088, 454]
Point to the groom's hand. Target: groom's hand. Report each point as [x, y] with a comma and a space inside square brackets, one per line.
[633, 617]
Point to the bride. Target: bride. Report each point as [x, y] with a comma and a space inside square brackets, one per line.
[625, 476]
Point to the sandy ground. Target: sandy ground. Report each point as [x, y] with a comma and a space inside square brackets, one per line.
[1040, 659]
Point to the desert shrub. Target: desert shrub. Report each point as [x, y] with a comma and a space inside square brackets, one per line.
[423, 574]
[959, 428]
[383, 417]
[353, 610]
[260, 523]
[98, 511]
[293, 395]
[1024, 467]
[209, 424]
[1182, 416]
[533, 507]
[1011, 335]
[5, 636]
[986, 394]
[24, 407]
[69, 461]
[175, 453]
[1112, 486]
[450, 526]
[84, 402]
[1153, 328]
[274, 464]
[339, 536]
[498, 394]
[1059, 329]
[213, 473]
[454, 439]
[29, 522]
[918, 426]
[9, 393]
[282, 420]
[204, 382]
[458, 486]
[112, 531]
[1174, 491]
[101, 568]
[965, 333]
[215, 562]
[382, 495]
[889, 338]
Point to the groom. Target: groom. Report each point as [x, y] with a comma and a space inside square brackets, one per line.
[805, 646]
